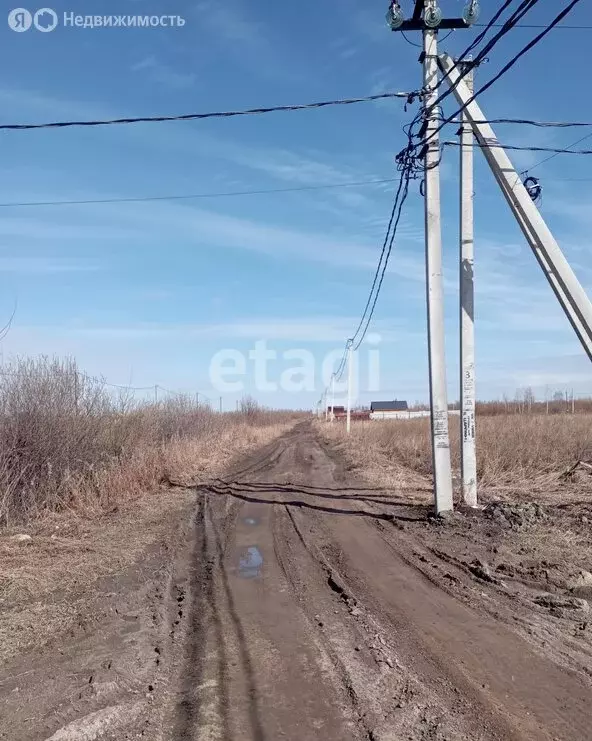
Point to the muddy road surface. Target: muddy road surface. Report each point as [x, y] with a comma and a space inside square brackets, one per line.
[308, 606]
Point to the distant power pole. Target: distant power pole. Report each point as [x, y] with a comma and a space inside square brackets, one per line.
[547, 397]
[350, 379]
[332, 397]
[156, 394]
[220, 405]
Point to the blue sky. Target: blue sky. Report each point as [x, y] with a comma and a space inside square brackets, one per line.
[148, 293]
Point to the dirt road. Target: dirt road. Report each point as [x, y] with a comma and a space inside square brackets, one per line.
[310, 607]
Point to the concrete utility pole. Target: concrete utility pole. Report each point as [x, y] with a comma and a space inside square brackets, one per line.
[350, 380]
[468, 456]
[435, 289]
[220, 405]
[427, 17]
[562, 279]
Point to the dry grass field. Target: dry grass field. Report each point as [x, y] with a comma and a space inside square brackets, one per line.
[514, 451]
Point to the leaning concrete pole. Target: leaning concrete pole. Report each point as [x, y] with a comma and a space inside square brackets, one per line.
[568, 290]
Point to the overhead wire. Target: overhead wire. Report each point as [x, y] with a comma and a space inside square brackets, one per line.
[203, 116]
[506, 27]
[405, 178]
[524, 7]
[564, 151]
[380, 261]
[190, 196]
[537, 39]
[562, 27]
[523, 148]
[408, 168]
[540, 124]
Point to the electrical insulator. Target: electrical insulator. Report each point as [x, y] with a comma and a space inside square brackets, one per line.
[471, 12]
[432, 16]
[394, 16]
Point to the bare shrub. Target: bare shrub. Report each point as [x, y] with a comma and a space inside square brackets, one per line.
[66, 442]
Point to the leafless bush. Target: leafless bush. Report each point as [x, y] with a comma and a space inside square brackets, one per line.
[62, 436]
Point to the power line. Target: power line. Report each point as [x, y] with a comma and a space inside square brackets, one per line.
[507, 66]
[102, 382]
[378, 267]
[202, 116]
[507, 26]
[342, 363]
[557, 153]
[419, 46]
[561, 27]
[512, 147]
[405, 176]
[540, 124]
[228, 194]
[406, 165]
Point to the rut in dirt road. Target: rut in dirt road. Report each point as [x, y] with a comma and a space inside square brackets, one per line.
[310, 617]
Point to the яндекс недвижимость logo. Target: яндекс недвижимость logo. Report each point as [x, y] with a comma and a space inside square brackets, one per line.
[21, 19]
[46, 19]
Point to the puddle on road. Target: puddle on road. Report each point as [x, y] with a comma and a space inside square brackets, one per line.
[250, 564]
[251, 521]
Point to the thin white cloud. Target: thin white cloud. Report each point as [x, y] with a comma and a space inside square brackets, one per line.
[291, 329]
[45, 265]
[228, 21]
[164, 74]
[142, 224]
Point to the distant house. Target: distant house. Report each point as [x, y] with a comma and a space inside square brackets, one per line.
[340, 413]
[389, 406]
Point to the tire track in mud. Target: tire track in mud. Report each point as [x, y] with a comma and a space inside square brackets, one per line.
[225, 688]
[363, 658]
[344, 629]
[396, 699]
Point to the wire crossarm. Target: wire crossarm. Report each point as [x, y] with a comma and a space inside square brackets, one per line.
[427, 14]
